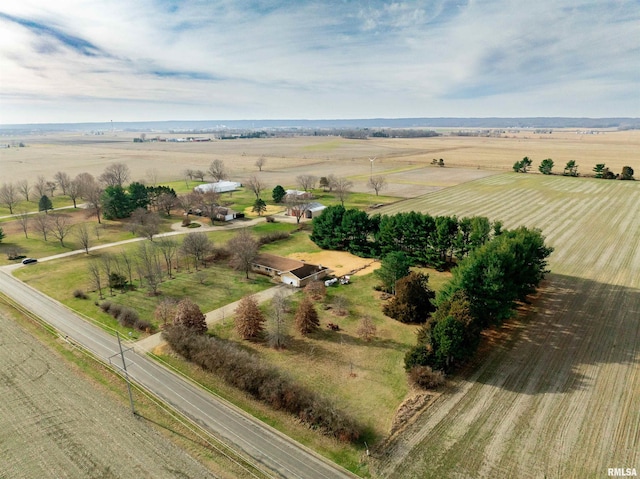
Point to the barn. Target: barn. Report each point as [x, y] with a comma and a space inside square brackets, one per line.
[219, 187]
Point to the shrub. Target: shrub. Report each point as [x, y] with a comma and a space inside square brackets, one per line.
[247, 372]
[186, 222]
[270, 219]
[115, 310]
[78, 293]
[143, 325]
[128, 317]
[106, 306]
[271, 237]
[425, 377]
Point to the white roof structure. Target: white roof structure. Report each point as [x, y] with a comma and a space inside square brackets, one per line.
[219, 187]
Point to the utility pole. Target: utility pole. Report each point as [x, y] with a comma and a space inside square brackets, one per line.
[372, 160]
[124, 368]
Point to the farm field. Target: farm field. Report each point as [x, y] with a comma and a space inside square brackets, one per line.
[557, 395]
[55, 423]
[466, 158]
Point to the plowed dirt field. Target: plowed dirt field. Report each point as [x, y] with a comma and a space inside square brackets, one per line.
[558, 395]
[54, 424]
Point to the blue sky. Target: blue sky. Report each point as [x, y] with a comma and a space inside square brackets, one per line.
[128, 60]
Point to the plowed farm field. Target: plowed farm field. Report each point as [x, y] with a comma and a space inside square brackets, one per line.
[54, 424]
[556, 393]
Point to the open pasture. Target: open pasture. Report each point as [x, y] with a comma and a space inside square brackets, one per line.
[557, 394]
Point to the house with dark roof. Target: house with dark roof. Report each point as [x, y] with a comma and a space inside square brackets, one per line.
[289, 271]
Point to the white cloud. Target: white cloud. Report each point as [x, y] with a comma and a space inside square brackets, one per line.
[229, 59]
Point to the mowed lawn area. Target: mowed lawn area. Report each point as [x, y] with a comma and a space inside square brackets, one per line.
[556, 395]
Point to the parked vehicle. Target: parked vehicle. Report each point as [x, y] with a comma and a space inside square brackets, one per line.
[29, 261]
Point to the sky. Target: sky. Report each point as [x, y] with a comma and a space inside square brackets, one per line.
[69, 61]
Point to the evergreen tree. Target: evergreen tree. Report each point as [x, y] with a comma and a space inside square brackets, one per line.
[546, 166]
[259, 206]
[278, 194]
[393, 267]
[45, 204]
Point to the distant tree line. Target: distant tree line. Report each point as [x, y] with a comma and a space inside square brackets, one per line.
[571, 169]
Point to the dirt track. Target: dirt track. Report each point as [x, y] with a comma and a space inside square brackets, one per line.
[54, 424]
[559, 396]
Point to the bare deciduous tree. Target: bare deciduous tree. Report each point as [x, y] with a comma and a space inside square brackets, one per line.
[244, 250]
[144, 223]
[296, 206]
[116, 174]
[95, 273]
[51, 187]
[23, 219]
[367, 330]
[307, 182]
[63, 180]
[377, 183]
[25, 189]
[217, 170]
[208, 203]
[198, 246]
[73, 190]
[83, 236]
[9, 196]
[165, 312]
[166, 202]
[343, 188]
[199, 175]
[41, 186]
[254, 184]
[168, 247]
[149, 266]
[42, 224]
[93, 195]
[128, 264]
[277, 325]
[86, 182]
[152, 176]
[60, 227]
[189, 202]
[107, 266]
[260, 162]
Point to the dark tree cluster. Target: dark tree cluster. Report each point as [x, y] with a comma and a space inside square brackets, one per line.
[424, 239]
[249, 373]
[483, 292]
[118, 202]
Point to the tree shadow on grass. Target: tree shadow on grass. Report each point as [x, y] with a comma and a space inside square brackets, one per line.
[573, 325]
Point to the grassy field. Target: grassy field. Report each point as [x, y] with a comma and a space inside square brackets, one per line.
[556, 395]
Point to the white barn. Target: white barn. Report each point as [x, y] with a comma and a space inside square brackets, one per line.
[219, 187]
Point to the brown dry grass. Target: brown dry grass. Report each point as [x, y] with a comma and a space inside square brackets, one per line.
[340, 262]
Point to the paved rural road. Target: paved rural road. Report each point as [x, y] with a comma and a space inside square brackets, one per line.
[277, 452]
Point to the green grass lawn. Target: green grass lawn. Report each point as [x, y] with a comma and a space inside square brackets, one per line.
[210, 287]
